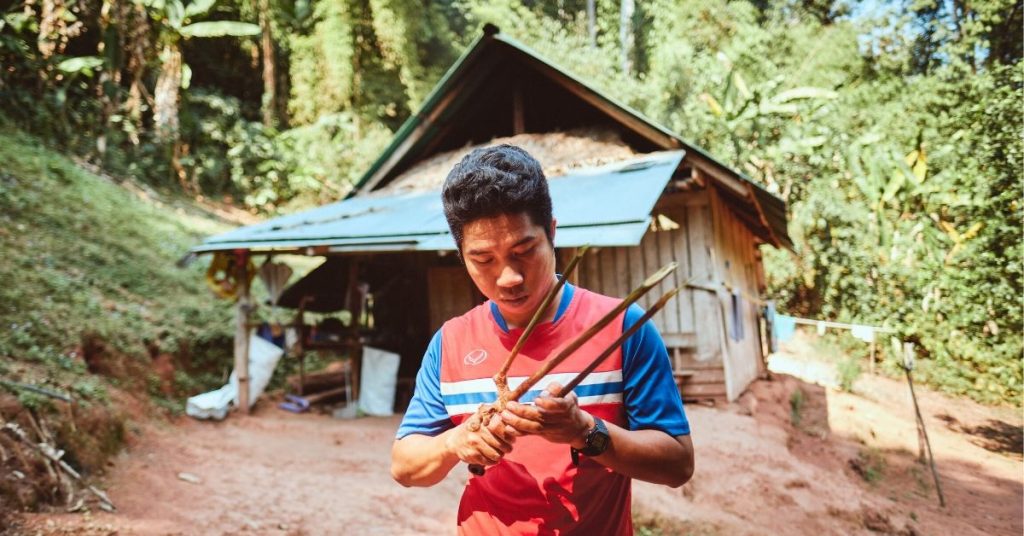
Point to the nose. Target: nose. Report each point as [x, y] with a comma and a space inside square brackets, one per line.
[510, 277]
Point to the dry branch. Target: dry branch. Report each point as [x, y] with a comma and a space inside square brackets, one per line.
[54, 455]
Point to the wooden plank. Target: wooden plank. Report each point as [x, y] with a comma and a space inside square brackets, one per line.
[628, 120]
[242, 336]
[518, 116]
[622, 275]
[680, 340]
[638, 271]
[684, 302]
[666, 254]
[690, 361]
[705, 304]
[704, 376]
[649, 248]
[705, 390]
[609, 283]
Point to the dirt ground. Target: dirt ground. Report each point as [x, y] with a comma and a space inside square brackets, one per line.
[848, 467]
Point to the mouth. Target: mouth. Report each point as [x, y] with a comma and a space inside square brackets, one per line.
[515, 302]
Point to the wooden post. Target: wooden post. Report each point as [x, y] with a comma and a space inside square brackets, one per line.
[908, 365]
[355, 347]
[871, 362]
[242, 331]
[518, 116]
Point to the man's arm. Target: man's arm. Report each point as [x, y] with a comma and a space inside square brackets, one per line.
[649, 455]
[428, 446]
[656, 446]
[421, 460]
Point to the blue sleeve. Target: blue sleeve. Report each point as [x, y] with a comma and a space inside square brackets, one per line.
[650, 394]
[426, 414]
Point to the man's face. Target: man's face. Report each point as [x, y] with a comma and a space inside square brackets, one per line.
[511, 261]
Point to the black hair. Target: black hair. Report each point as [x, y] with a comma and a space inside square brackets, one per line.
[491, 181]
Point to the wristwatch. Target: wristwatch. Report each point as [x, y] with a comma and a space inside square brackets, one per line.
[595, 444]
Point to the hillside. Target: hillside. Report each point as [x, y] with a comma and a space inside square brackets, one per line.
[93, 306]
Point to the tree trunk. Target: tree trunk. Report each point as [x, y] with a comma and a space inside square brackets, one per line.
[112, 42]
[270, 104]
[592, 22]
[626, 36]
[137, 47]
[168, 86]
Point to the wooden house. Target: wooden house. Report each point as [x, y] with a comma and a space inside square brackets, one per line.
[640, 195]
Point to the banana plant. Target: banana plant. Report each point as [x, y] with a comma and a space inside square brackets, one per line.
[175, 21]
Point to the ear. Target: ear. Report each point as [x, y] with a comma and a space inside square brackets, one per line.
[554, 225]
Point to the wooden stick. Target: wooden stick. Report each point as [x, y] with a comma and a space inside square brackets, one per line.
[908, 365]
[618, 342]
[550, 364]
[485, 411]
[36, 389]
[52, 454]
[501, 378]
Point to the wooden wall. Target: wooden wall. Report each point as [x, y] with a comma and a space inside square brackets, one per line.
[715, 252]
[738, 264]
[451, 294]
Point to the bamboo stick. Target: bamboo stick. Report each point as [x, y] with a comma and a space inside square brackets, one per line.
[549, 365]
[501, 378]
[618, 342]
[486, 411]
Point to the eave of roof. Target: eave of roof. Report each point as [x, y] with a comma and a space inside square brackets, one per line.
[602, 206]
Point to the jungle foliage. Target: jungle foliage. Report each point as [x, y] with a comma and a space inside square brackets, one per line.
[892, 129]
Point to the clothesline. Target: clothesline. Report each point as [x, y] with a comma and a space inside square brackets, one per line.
[839, 325]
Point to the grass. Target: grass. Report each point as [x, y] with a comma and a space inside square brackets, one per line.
[796, 407]
[84, 254]
[870, 464]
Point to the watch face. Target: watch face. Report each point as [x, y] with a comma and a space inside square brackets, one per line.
[599, 442]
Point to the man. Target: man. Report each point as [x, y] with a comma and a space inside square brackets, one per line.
[555, 465]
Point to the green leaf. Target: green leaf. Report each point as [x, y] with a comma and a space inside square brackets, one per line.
[220, 28]
[175, 13]
[713, 105]
[198, 7]
[80, 64]
[804, 93]
[186, 75]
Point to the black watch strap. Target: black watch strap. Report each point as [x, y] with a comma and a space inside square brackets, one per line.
[596, 442]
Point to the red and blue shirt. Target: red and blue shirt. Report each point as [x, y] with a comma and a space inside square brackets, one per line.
[536, 489]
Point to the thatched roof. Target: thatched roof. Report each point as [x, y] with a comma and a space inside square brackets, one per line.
[558, 152]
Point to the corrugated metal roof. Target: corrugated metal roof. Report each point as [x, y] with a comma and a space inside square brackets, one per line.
[603, 206]
[471, 69]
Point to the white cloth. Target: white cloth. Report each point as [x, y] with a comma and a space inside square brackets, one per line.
[263, 358]
[864, 333]
[377, 382]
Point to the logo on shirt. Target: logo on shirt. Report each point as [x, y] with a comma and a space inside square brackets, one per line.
[475, 357]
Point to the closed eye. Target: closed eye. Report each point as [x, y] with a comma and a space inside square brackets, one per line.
[526, 252]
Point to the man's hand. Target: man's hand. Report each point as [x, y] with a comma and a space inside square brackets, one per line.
[557, 419]
[483, 445]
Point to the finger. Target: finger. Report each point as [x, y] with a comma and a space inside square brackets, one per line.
[549, 404]
[497, 427]
[490, 454]
[553, 389]
[521, 425]
[525, 411]
[473, 422]
[494, 441]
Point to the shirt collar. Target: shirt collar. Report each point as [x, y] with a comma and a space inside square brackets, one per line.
[563, 304]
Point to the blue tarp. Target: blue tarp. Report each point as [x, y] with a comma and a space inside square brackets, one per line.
[604, 206]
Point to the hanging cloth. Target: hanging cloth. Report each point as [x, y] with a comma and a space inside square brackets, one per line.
[785, 327]
[864, 333]
[222, 275]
